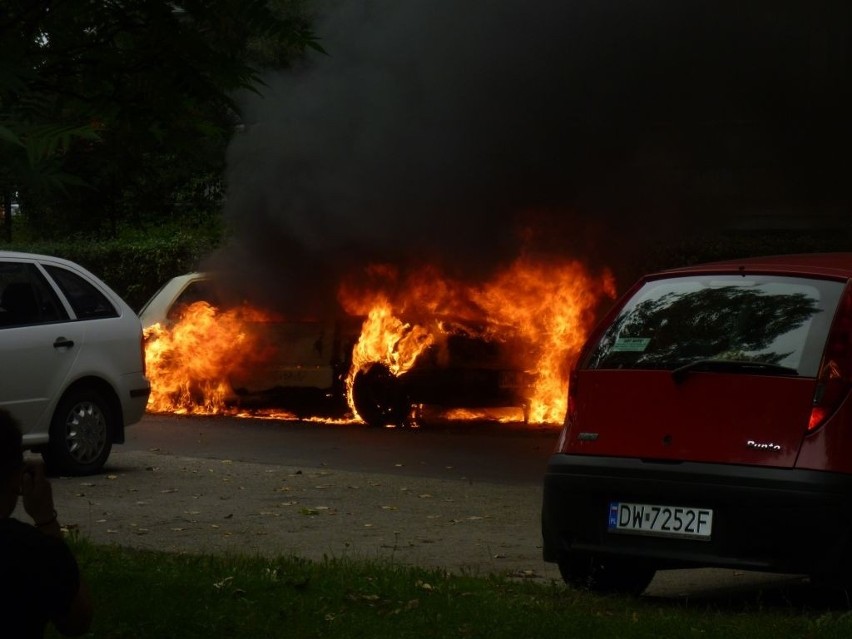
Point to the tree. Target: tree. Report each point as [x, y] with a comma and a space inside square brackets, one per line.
[110, 107]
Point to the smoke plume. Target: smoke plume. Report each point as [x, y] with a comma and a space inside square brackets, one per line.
[466, 132]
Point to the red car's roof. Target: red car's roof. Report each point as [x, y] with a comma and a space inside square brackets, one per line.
[834, 265]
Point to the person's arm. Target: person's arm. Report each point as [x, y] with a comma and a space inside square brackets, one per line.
[37, 497]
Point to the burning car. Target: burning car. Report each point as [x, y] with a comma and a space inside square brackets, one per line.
[204, 354]
[404, 339]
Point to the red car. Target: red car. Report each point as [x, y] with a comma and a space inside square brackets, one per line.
[709, 425]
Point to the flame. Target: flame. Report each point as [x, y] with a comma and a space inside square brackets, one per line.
[387, 339]
[189, 364]
[552, 308]
[546, 309]
[497, 414]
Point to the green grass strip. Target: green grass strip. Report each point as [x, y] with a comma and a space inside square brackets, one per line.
[141, 594]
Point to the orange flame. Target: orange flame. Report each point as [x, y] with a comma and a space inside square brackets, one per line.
[190, 363]
[552, 308]
[386, 338]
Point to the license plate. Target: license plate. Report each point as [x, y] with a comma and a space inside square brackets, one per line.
[660, 521]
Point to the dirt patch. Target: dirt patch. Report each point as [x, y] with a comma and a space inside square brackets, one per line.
[185, 504]
[181, 504]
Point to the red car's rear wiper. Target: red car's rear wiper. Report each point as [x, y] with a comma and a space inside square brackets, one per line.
[730, 366]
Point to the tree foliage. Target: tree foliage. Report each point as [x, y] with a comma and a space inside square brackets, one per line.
[114, 110]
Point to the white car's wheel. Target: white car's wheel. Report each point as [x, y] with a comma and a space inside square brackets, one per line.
[80, 434]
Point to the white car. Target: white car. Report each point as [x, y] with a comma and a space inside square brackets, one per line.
[72, 366]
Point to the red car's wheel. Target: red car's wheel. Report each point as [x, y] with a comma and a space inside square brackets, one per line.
[626, 576]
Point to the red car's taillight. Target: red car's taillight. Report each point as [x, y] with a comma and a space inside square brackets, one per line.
[835, 370]
[571, 414]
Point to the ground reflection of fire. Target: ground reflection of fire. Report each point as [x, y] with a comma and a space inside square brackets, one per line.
[544, 309]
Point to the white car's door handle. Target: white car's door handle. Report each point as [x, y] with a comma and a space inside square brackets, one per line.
[62, 342]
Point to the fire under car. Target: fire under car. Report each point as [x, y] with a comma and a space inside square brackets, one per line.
[709, 425]
[306, 363]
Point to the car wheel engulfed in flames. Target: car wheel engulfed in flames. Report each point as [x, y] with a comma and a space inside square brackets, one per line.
[379, 397]
[460, 369]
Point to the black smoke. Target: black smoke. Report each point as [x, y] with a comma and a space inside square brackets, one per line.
[464, 132]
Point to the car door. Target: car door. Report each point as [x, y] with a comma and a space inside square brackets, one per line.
[38, 346]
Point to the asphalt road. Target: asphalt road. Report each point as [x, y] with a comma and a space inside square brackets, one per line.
[478, 451]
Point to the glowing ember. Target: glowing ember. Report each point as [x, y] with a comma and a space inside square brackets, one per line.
[496, 414]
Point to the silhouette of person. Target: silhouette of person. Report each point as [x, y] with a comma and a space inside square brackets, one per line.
[40, 581]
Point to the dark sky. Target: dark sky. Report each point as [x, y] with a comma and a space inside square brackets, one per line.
[467, 131]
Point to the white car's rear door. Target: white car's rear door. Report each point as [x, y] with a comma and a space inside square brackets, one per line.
[36, 362]
[38, 345]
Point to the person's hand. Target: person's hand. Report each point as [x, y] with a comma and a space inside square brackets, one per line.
[36, 493]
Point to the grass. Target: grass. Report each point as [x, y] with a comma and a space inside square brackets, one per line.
[141, 594]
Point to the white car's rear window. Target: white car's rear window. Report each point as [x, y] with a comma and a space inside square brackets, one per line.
[87, 301]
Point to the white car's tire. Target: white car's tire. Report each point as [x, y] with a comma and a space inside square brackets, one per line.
[81, 433]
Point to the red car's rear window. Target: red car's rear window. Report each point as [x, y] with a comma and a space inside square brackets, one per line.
[754, 319]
